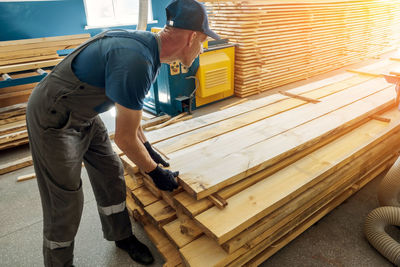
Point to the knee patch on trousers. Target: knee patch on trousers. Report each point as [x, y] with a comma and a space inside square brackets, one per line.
[64, 213]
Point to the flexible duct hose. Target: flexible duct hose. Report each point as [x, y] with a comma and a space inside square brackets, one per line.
[143, 11]
[375, 225]
[389, 189]
[380, 218]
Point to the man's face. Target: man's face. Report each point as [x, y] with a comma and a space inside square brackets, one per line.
[196, 48]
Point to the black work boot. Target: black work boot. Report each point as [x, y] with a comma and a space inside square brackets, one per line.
[136, 249]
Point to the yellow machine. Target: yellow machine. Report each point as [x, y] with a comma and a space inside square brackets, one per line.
[215, 74]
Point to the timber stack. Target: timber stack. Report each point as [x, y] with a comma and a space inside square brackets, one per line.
[285, 41]
[255, 176]
[22, 64]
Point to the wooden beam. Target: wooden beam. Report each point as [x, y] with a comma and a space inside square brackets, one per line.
[13, 98]
[12, 119]
[29, 66]
[234, 104]
[380, 118]
[133, 182]
[43, 39]
[26, 177]
[218, 200]
[16, 165]
[307, 99]
[174, 233]
[365, 73]
[143, 196]
[14, 136]
[12, 127]
[155, 121]
[160, 213]
[135, 211]
[166, 123]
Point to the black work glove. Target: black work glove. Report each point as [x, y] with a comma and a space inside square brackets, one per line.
[154, 155]
[164, 179]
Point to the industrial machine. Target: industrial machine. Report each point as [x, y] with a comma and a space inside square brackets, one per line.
[210, 78]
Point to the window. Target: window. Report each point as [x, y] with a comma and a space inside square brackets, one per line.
[108, 13]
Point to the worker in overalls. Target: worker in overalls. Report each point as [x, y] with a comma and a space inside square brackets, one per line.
[114, 68]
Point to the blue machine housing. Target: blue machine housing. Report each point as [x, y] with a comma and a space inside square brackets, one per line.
[169, 94]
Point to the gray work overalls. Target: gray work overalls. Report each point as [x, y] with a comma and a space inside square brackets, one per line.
[64, 130]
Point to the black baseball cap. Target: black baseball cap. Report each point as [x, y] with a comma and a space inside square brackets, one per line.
[189, 15]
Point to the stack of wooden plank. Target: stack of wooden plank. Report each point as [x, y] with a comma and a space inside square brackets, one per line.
[284, 41]
[256, 175]
[13, 126]
[24, 59]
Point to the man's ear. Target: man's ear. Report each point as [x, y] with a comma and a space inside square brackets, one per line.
[191, 38]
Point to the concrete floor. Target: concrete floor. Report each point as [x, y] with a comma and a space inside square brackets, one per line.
[336, 240]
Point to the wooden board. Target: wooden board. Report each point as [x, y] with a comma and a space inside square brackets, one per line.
[160, 212]
[143, 196]
[15, 165]
[12, 127]
[177, 236]
[29, 66]
[133, 182]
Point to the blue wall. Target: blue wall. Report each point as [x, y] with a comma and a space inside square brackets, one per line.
[34, 19]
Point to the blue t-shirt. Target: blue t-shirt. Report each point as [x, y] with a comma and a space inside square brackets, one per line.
[125, 63]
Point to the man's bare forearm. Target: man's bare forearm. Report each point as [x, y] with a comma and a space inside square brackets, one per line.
[138, 154]
[129, 138]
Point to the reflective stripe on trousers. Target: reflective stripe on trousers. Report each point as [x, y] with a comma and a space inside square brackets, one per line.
[54, 244]
[112, 209]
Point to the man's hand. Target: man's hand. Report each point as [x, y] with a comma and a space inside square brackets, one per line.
[154, 155]
[164, 179]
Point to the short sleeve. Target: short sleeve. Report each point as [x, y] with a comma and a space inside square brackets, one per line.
[127, 77]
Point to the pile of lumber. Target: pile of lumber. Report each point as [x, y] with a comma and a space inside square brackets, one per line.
[13, 126]
[255, 176]
[21, 59]
[284, 41]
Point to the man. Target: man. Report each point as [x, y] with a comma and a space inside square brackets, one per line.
[112, 68]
